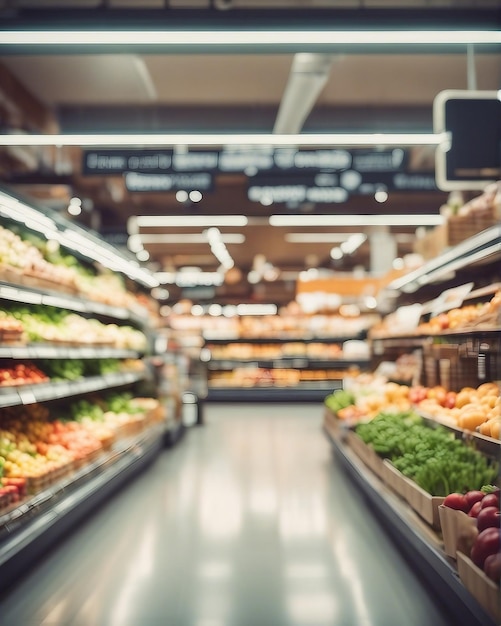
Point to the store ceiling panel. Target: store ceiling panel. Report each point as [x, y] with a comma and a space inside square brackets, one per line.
[193, 92]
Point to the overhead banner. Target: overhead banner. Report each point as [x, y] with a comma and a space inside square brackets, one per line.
[329, 188]
[189, 181]
[249, 161]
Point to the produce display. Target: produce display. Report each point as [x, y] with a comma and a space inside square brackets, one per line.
[22, 374]
[26, 258]
[49, 324]
[275, 351]
[476, 410]
[285, 377]
[486, 315]
[38, 445]
[432, 457]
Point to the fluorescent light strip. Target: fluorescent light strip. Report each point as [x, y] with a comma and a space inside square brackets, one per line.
[189, 38]
[241, 139]
[356, 220]
[231, 238]
[154, 221]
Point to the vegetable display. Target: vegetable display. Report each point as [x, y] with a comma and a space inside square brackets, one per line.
[431, 457]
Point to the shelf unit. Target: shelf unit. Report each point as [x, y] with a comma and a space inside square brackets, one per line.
[421, 546]
[278, 390]
[28, 527]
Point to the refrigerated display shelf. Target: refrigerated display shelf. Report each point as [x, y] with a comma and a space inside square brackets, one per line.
[287, 362]
[312, 338]
[416, 540]
[42, 392]
[50, 351]
[419, 338]
[30, 295]
[304, 392]
[30, 529]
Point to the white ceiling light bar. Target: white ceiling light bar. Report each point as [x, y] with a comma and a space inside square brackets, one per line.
[239, 38]
[182, 221]
[356, 220]
[240, 139]
[231, 238]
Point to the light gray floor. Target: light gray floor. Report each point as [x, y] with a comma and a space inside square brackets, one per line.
[247, 522]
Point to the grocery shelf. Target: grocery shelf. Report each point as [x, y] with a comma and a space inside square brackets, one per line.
[418, 338]
[482, 247]
[30, 529]
[31, 295]
[486, 445]
[420, 545]
[29, 394]
[287, 362]
[50, 351]
[304, 392]
[219, 340]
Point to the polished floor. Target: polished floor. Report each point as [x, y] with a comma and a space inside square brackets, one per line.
[248, 521]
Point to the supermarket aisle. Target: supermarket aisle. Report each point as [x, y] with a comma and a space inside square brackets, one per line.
[248, 522]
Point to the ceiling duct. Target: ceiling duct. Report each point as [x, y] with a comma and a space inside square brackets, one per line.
[308, 76]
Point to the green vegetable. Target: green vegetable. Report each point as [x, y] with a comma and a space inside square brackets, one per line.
[432, 457]
[340, 399]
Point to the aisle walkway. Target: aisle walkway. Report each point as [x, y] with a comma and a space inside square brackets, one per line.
[247, 522]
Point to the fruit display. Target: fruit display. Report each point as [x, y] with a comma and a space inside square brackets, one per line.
[39, 446]
[468, 316]
[19, 257]
[11, 329]
[279, 376]
[275, 351]
[21, 374]
[475, 410]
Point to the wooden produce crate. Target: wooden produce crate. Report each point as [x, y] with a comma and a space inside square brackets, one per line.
[452, 524]
[365, 453]
[461, 227]
[424, 504]
[482, 588]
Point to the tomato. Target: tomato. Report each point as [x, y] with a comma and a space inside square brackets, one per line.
[450, 400]
[492, 567]
[488, 516]
[488, 542]
[472, 497]
[456, 501]
[491, 499]
[475, 509]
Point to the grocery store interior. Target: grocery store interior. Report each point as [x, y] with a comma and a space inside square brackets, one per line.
[250, 312]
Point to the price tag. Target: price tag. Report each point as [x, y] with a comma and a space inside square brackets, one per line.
[300, 363]
[27, 396]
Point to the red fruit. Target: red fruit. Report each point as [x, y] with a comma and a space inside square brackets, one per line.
[489, 516]
[475, 509]
[488, 542]
[472, 497]
[456, 501]
[492, 567]
[491, 499]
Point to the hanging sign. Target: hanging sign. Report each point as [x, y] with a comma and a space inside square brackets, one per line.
[110, 162]
[470, 157]
[189, 181]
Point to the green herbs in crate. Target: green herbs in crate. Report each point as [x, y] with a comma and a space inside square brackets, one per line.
[432, 457]
[340, 399]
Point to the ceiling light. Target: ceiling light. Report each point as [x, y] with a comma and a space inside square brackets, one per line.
[231, 238]
[356, 220]
[157, 221]
[256, 309]
[225, 139]
[336, 253]
[195, 195]
[217, 39]
[142, 255]
[353, 243]
[381, 195]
